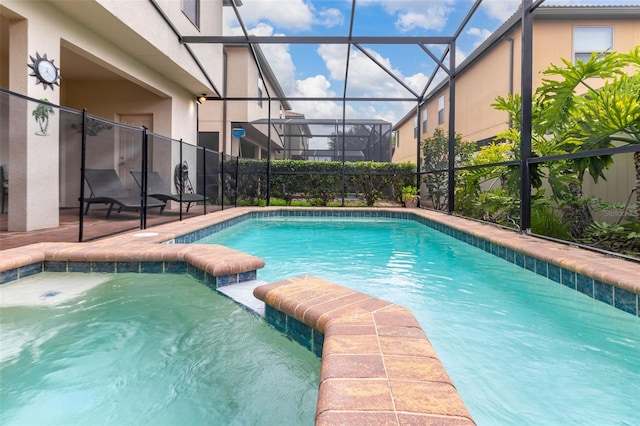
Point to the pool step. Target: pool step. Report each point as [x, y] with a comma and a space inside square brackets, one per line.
[243, 294]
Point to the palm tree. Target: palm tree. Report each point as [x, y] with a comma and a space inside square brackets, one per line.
[41, 115]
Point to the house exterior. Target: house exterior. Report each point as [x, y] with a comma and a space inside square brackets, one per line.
[493, 69]
[123, 61]
[249, 84]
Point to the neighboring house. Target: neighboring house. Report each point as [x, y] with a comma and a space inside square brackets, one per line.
[250, 83]
[296, 134]
[494, 69]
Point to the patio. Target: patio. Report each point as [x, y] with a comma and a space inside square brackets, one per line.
[95, 225]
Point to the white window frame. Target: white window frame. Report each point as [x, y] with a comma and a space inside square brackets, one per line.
[415, 127]
[583, 47]
[441, 109]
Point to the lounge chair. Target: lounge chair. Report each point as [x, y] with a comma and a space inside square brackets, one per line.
[106, 188]
[158, 188]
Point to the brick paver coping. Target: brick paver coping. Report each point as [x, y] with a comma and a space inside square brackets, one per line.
[378, 367]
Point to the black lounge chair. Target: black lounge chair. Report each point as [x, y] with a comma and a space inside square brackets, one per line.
[157, 188]
[106, 188]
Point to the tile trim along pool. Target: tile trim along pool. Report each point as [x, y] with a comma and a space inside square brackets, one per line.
[167, 249]
[569, 266]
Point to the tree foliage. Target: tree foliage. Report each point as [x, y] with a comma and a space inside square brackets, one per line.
[579, 106]
[435, 151]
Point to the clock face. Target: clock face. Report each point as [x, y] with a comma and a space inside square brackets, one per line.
[45, 72]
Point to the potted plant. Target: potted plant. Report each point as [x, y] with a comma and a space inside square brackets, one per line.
[410, 196]
[41, 115]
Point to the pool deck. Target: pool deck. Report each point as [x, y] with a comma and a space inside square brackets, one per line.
[378, 366]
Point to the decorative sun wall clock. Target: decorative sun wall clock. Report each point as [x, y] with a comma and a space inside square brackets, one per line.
[45, 72]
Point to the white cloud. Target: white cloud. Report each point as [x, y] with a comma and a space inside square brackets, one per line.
[292, 15]
[389, 112]
[295, 15]
[335, 59]
[316, 87]
[479, 34]
[366, 78]
[410, 14]
[411, 20]
[262, 29]
[417, 82]
[281, 62]
[330, 18]
[500, 9]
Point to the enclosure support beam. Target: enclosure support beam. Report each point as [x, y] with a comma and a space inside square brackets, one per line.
[269, 155]
[451, 185]
[527, 97]
[253, 39]
[143, 187]
[83, 157]
[418, 153]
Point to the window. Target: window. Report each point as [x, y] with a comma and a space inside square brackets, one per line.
[441, 110]
[588, 40]
[415, 127]
[260, 89]
[424, 121]
[191, 8]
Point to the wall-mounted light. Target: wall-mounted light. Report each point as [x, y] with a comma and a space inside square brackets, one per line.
[202, 98]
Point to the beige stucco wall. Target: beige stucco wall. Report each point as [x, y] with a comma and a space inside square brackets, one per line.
[478, 88]
[242, 82]
[405, 143]
[156, 77]
[480, 83]
[33, 159]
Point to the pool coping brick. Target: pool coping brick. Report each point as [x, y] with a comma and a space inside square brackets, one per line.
[377, 363]
[335, 315]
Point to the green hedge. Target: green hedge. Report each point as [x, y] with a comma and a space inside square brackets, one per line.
[320, 182]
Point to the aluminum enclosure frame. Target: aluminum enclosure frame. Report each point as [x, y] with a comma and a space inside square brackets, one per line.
[527, 8]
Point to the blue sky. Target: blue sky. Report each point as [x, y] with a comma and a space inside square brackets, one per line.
[319, 70]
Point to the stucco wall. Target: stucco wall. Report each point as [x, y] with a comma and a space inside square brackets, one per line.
[479, 84]
[155, 75]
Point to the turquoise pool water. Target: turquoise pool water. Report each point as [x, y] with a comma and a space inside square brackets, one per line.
[151, 350]
[520, 348]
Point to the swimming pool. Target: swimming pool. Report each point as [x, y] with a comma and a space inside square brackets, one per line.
[159, 349]
[520, 348]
